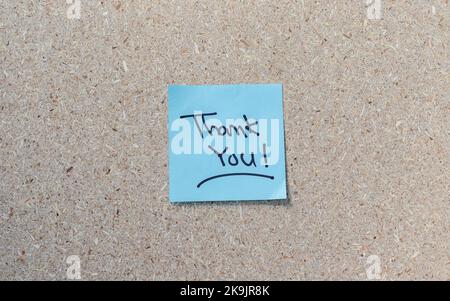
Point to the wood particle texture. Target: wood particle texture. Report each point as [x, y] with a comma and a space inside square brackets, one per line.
[83, 139]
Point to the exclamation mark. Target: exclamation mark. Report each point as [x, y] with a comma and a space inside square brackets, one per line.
[265, 154]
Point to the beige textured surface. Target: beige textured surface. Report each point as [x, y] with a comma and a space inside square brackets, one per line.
[83, 162]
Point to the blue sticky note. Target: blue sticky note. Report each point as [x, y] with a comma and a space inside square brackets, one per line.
[226, 143]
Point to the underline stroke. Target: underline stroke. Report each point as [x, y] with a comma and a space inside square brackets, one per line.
[234, 174]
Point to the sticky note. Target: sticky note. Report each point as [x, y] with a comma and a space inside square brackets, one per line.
[226, 143]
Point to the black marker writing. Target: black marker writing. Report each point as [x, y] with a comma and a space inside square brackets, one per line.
[235, 174]
[252, 160]
[220, 155]
[232, 159]
[249, 125]
[202, 115]
[222, 130]
[265, 154]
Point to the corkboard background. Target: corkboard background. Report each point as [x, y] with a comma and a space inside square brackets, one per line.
[83, 156]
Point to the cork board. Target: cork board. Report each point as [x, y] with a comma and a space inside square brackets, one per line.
[83, 136]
